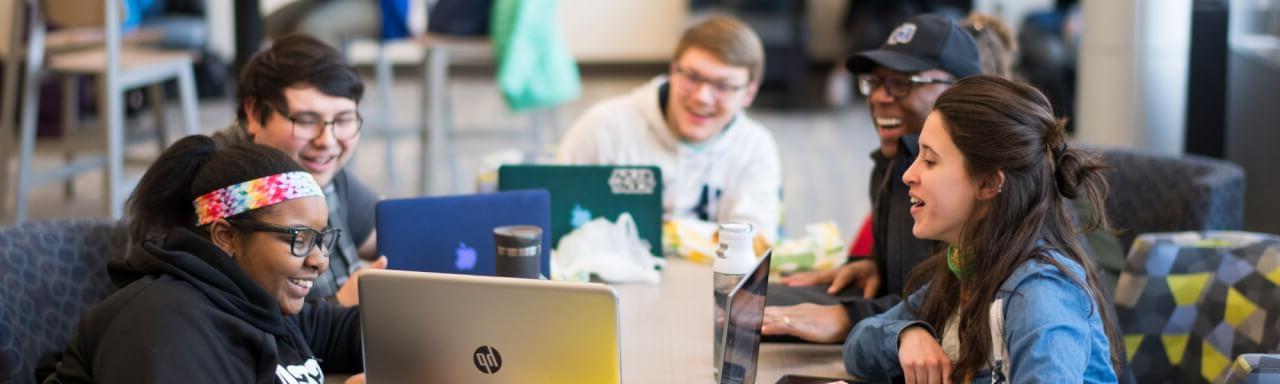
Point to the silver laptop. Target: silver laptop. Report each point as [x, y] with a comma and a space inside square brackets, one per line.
[422, 327]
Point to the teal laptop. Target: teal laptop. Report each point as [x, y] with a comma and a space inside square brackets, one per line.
[580, 193]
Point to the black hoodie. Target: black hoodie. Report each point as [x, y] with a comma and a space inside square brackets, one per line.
[188, 313]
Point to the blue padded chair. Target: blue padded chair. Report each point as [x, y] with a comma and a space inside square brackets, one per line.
[50, 273]
[1161, 193]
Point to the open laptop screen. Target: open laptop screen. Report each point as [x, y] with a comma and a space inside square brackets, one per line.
[742, 334]
[422, 327]
[580, 193]
[454, 234]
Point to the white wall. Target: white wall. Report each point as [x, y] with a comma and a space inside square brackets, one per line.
[1132, 84]
[622, 30]
[222, 31]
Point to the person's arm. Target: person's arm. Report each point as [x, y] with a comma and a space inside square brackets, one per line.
[349, 294]
[369, 250]
[1047, 329]
[861, 308]
[361, 202]
[871, 350]
[864, 274]
[809, 322]
[333, 333]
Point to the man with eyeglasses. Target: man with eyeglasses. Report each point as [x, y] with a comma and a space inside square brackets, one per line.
[717, 164]
[301, 97]
[901, 81]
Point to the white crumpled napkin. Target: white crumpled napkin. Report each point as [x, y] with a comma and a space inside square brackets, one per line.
[612, 251]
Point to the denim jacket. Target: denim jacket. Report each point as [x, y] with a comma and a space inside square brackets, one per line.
[1053, 330]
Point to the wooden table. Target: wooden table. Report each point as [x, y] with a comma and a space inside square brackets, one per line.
[666, 334]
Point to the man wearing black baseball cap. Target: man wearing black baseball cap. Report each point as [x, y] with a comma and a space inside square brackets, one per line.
[901, 81]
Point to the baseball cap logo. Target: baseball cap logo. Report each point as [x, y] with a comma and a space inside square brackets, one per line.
[903, 34]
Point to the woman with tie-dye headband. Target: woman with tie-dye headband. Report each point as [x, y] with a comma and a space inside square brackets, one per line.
[231, 240]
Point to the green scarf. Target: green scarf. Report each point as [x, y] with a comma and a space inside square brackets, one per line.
[959, 262]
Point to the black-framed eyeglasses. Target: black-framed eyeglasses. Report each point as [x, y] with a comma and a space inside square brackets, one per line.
[692, 79]
[302, 239]
[896, 86]
[308, 125]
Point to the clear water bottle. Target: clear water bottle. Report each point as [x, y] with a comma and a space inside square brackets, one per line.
[734, 258]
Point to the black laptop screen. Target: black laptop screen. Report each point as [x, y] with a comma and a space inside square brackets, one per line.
[742, 335]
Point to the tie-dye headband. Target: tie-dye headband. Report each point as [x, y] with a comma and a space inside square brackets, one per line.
[254, 194]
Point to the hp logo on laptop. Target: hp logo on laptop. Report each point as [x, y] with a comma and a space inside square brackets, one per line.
[487, 359]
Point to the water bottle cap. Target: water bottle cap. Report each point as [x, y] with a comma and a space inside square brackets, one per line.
[736, 252]
[737, 230]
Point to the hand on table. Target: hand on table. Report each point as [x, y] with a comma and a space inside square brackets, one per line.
[810, 322]
[863, 274]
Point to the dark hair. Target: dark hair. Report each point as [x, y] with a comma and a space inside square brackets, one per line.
[1006, 126]
[291, 61]
[192, 167]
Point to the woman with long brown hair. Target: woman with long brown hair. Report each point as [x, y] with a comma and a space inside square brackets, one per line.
[1013, 296]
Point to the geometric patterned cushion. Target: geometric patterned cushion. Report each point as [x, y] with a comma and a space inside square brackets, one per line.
[50, 273]
[1254, 368]
[1161, 193]
[1189, 302]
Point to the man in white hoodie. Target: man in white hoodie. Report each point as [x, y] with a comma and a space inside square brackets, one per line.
[717, 164]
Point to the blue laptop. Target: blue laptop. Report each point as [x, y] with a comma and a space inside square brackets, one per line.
[454, 234]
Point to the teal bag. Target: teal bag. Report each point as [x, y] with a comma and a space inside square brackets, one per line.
[535, 67]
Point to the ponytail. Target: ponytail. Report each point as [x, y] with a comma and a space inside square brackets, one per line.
[1078, 174]
[163, 197]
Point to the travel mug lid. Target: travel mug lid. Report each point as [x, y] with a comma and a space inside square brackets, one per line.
[517, 236]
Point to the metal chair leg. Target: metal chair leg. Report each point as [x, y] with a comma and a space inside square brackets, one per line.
[111, 98]
[30, 101]
[384, 74]
[70, 123]
[8, 108]
[155, 92]
[27, 145]
[187, 97]
[111, 110]
[435, 87]
[445, 146]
